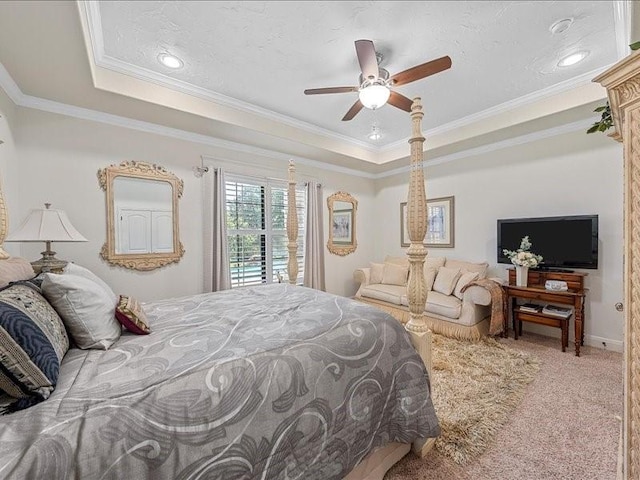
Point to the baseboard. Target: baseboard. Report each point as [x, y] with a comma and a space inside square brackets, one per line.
[590, 340]
[604, 343]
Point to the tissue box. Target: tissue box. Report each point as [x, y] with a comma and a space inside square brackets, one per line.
[556, 285]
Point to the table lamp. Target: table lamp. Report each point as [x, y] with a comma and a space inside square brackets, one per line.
[46, 225]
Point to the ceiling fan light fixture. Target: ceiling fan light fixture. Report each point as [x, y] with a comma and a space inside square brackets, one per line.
[374, 96]
[375, 133]
[170, 61]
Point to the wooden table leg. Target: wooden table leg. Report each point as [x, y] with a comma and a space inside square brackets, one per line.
[565, 334]
[577, 308]
[505, 315]
[513, 316]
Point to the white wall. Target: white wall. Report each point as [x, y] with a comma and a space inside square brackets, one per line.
[570, 174]
[8, 162]
[54, 158]
[59, 158]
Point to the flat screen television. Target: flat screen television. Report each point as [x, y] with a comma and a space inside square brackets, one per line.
[564, 242]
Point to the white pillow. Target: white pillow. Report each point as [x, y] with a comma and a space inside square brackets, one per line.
[73, 269]
[446, 280]
[464, 279]
[377, 270]
[394, 274]
[86, 309]
[429, 277]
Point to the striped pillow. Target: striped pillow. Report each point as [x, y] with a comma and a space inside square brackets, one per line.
[33, 342]
[130, 314]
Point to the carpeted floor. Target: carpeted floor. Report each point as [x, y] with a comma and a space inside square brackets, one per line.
[566, 427]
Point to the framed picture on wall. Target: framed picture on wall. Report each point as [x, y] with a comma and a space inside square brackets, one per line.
[440, 223]
[342, 227]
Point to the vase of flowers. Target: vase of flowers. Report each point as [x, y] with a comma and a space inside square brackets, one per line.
[523, 259]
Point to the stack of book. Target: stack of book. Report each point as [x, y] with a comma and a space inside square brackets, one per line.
[557, 311]
[530, 307]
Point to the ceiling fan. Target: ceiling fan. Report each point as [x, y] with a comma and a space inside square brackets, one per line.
[376, 83]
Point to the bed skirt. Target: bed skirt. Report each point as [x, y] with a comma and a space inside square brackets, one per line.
[376, 464]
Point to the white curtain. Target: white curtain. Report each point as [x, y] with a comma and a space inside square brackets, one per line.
[217, 275]
[314, 241]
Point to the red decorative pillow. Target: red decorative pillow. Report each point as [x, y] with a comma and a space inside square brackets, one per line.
[131, 315]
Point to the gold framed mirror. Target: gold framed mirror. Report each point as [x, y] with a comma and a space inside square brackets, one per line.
[342, 223]
[142, 215]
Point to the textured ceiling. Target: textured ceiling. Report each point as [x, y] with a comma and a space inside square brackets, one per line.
[265, 54]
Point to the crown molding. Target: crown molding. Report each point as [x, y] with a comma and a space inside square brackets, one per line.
[622, 25]
[558, 88]
[162, 80]
[100, 59]
[91, 11]
[492, 147]
[10, 86]
[27, 101]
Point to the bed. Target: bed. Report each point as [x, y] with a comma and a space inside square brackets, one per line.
[277, 381]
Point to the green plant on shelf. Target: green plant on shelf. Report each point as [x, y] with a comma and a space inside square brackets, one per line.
[606, 120]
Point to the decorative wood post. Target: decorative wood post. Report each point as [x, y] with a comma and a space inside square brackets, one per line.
[417, 227]
[292, 226]
[622, 82]
[3, 225]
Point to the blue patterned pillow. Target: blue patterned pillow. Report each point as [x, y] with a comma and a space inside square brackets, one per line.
[33, 342]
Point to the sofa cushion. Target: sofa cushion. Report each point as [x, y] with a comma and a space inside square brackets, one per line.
[464, 279]
[434, 262]
[395, 274]
[376, 272]
[445, 305]
[446, 280]
[481, 268]
[429, 277]
[386, 293]
[404, 261]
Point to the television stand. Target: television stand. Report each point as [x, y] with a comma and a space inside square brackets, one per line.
[574, 297]
[553, 269]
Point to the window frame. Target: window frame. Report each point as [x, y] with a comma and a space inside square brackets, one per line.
[267, 187]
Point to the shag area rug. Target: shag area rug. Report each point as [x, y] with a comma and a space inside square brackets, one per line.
[475, 386]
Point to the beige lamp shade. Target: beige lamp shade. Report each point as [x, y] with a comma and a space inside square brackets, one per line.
[47, 225]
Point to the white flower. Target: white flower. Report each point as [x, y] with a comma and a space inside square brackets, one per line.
[522, 256]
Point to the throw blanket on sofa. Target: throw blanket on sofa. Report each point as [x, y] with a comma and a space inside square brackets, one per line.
[498, 304]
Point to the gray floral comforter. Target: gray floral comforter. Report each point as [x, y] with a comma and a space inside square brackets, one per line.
[271, 382]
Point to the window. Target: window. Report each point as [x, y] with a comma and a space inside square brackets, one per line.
[256, 229]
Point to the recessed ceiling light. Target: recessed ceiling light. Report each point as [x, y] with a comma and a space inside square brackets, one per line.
[573, 59]
[561, 25]
[170, 61]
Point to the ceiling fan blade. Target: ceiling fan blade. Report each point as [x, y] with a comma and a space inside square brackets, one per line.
[421, 71]
[353, 111]
[400, 101]
[317, 91]
[367, 59]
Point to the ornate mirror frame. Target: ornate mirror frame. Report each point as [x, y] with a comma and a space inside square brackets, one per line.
[147, 171]
[342, 247]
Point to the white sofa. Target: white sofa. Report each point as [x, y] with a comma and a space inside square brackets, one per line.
[448, 310]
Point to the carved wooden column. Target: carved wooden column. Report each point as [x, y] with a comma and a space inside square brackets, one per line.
[622, 82]
[292, 226]
[4, 224]
[417, 227]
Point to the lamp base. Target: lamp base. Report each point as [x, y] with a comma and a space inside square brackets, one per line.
[48, 263]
